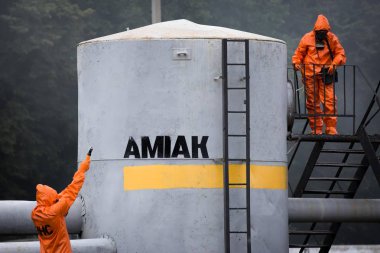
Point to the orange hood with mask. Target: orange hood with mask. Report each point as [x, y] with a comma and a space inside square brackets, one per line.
[309, 59]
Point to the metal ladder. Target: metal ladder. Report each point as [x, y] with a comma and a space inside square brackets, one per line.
[324, 233]
[226, 141]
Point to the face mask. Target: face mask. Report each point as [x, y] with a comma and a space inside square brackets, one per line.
[320, 36]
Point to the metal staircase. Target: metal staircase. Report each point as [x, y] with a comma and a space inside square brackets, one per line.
[334, 171]
[244, 138]
[305, 188]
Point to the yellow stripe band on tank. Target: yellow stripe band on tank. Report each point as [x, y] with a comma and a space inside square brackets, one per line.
[179, 176]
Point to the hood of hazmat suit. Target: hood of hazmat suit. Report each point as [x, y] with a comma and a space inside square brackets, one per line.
[310, 60]
[322, 23]
[45, 195]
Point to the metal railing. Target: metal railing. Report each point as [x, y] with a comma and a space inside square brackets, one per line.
[345, 90]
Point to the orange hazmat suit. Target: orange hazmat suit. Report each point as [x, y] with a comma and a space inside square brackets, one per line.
[49, 214]
[310, 61]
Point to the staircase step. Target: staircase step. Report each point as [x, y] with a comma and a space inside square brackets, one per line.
[343, 151]
[311, 232]
[351, 165]
[333, 179]
[327, 192]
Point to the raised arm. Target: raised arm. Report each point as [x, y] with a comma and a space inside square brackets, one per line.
[70, 193]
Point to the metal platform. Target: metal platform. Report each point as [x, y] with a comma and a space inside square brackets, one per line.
[331, 138]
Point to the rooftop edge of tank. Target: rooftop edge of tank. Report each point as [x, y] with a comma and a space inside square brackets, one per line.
[180, 29]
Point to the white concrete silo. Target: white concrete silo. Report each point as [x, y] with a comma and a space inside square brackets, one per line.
[150, 103]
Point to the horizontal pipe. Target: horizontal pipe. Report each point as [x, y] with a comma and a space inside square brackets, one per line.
[101, 245]
[15, 217]
[333, 210]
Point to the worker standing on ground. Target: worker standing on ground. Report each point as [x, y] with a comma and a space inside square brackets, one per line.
[317, 50]
[49, 214]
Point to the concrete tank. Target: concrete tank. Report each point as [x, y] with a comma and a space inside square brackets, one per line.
[150, 103]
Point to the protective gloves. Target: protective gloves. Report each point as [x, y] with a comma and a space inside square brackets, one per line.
[297, 66]
[331, 69]
[85, 164]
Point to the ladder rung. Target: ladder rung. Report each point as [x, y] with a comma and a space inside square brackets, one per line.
[327, 192]
[308, 246]
[238, 208]
[339, 165]
[236, 64]
[333, 179]
[237, 135]
[237, 88]
[343, 151]
[235, 40]
[237, 111]
[311, 232]
[237, 159]
[237, 184]
[238, 232]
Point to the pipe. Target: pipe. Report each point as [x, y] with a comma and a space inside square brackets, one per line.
[100, 245]
[333, 210]
[15, 217]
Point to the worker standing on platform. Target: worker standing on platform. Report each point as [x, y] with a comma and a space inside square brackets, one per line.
[49, 214]
[317, 56]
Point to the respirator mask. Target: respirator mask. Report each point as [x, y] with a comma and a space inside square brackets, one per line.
[320, 36]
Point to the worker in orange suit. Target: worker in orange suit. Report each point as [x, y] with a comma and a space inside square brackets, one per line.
[49, 214]
[319, 49]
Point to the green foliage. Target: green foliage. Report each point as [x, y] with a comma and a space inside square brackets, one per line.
[38, 98]
[196, 10]
[116, 15]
